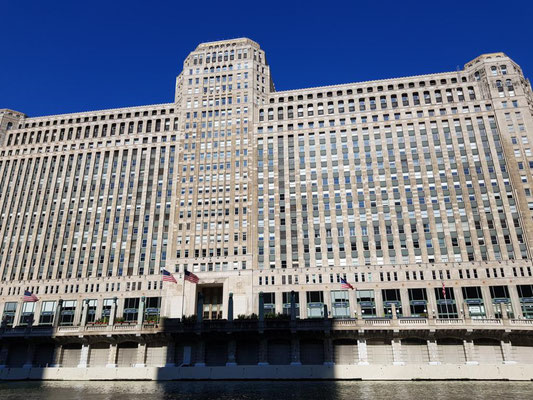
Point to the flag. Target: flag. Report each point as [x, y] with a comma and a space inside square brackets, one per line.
[29, 296]
[443, 290]
[168, 277]
[346, 285]
[189, 276]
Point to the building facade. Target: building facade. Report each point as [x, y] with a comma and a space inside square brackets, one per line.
[417, 191]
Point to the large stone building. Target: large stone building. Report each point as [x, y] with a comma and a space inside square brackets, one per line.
[417, 191]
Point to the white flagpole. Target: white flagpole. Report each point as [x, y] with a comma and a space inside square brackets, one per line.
[183, 295]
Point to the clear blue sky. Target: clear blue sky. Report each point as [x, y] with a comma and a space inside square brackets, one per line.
[68, 56]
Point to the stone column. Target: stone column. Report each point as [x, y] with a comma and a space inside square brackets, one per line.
[363, 352]
[507, 351]
[470, 352]
[515, 301]
[141, 355]
[263, 351]
[279, 302]
[328, 309]
[77, 312]
[230, 307]
[432, 304]
[433, 351]
[293, 305]
[406, 309]
[84, 356]
[232, 350]
[394, 312]
[18, 313]
[57, 315]
[113, 312]
[57, 356]
[4, 351]
[466, 311]
[171, 354]
[487, 300]
[397, 352]
[113, 352]
[261, 309]
[30, 352]
[140, 314]
[379, 303]
[295, 351]
[354, 309]
[200, 308]
[303, 305]
[328, 351]
[84, 310]
[200, 354]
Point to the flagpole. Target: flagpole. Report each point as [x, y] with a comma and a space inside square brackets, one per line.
[183, 294]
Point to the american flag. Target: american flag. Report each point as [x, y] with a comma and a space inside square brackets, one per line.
[189, 276]
[168, 277]
[346, 285]
[29, 296]
[443, 290]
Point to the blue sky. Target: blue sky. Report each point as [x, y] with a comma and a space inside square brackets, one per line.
[69, 56]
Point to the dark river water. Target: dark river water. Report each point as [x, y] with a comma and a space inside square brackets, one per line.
[265, 390]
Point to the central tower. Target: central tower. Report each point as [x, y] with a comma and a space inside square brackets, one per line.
[216, 96]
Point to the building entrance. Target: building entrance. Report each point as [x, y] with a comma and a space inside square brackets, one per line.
[212, 302]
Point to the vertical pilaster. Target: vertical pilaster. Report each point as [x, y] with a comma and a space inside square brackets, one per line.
[354, 310]
[200, 353]
[85, 307]
[295, 350]
[397, 352]
[507, 351]
[112, 359]
[140, 315]
[470, 353]
[141, 355]
[30, 353]
[362, 351]
[433, 351]
[84, 356]
[515, 302]
[113, 312]
[232, 351]
[404, 296]
[18, 313]
[170, 354]
[58, 356]
[328, 351]
[303, 305]
[263, 351]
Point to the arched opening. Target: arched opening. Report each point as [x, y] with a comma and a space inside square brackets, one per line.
[127, 354]
[16, 356]
[98, 355]
[488, 351]
[44, 355]
[216, 353]
[279, 352]
[71, 355]
[247, 352]
[414, 351]
[312, 352]
[345, 352]
[451, 351]
[379, 351]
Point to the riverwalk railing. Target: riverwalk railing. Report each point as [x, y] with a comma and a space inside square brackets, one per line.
[275, 324]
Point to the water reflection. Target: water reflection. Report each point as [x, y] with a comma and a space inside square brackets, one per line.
[261, 390]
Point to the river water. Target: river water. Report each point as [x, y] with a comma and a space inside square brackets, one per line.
[265, 390]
